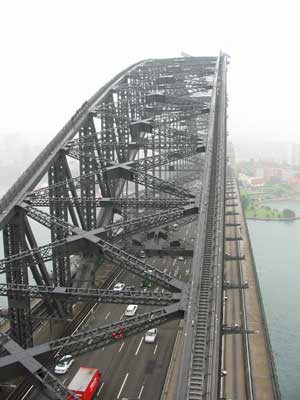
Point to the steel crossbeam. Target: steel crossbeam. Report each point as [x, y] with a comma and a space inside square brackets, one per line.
[129, 226]
[149, 162]
[108, 202]
[175, 141]
[111, 251]
[73, 295]
[148, 180]
[116, 171]
[40, 376]
[86, 341]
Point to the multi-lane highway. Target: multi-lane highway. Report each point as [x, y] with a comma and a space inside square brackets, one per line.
[131, 368]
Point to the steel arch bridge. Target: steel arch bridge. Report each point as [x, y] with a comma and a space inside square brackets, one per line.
[116, 169]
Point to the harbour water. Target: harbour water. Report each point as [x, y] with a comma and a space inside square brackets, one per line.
[276, 247]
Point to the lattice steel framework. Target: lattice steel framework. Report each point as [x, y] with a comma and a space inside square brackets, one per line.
[132, 143]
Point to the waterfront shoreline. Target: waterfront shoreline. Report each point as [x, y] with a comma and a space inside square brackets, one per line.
[272, 219]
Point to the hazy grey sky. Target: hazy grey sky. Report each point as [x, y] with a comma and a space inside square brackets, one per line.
[56, 54]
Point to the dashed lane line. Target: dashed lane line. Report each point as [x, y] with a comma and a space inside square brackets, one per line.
[138, 348]
[122, 345]
[141, 391]
[100, 389]
[123, 384]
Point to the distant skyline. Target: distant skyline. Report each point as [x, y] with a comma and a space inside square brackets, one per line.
[56, 54]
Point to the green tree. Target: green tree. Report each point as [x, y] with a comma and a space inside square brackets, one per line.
[287, 213]
[245, 201]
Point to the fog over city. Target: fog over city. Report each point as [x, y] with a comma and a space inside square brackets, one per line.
[55, 55]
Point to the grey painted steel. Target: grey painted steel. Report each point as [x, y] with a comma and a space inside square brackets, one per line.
[177, 115]
[74, 295]
[198, 374]
[41, 164]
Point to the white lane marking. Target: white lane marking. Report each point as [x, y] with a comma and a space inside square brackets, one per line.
[123, 384]
[64, 381]
[165, 270]
[138, 349]
[155, 349]
[28, 391]
[107, 315]
[122, 316]
[179, 276]
[141, 391]
[174, 262]
[122, 345]
[100, 389]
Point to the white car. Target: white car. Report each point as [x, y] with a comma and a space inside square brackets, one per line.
[131, 310]
[64, 364]
[181, 258]
[142, 254]
[119, 287]
[151, 335]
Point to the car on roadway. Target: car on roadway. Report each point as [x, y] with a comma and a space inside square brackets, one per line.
[181, 258]
[129, 288]
[64, 364]
[131, 310]
[151, 335]
[119, 287]
[119, 333]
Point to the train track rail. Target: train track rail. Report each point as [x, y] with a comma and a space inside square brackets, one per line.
[242, 384]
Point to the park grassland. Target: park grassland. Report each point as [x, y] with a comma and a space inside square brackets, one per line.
[254, 208]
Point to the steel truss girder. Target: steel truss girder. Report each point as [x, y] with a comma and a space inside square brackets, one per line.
[173, 144]
[232, 285]
[19, 306]
[235, 330]
[159, 97]
[60, 261]
[128, 226]
[111, 202]
[116, 171]
[112, 252]
[129, 108]
[198, 374]
[138, 267]
[135, 225]
[89, 340]
[40, 376]
[73, 295]
[157, 184]
[87, 166]
[147, 162]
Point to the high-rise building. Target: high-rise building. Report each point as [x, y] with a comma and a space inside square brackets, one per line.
[295, 154]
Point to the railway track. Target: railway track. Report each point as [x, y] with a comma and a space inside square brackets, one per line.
[237, 356]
